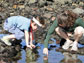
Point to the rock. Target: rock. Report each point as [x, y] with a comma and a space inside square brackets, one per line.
[21, 2]
[81, 4]
[47, 15]
[74, 4]
[62, 1]
[74, 1]
[42, 3]
[48, 8]
[12, 14]
[1, 48]
[32, 1]
[78, 11]
[9, 51]
[21, 6]
[14, 6]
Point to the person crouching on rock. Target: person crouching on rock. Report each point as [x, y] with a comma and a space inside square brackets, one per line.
[21, 27]
[66, 22]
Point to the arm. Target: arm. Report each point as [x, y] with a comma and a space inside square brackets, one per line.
[31, 38]
[50, 31]
[27, 38]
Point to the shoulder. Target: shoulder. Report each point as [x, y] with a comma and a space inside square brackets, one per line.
[22, 18]
[79, 19]
[56, 21]
[19, 17]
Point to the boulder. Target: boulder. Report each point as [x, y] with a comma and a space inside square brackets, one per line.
[62, 1]
[9, 51]
[32, 1]
[78, 11]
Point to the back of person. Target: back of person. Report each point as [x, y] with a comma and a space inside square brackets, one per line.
[19, 21]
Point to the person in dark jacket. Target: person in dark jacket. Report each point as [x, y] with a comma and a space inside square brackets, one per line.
[66, 24]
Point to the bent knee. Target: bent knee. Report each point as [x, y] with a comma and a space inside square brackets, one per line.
[79, 30]
[57, 29]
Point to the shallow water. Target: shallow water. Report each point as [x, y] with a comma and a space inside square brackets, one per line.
[54, 57]
[28, 56]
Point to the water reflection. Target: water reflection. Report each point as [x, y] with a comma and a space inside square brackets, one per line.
[45, 61]
[45, 58]
[70, 58]
[31, 55]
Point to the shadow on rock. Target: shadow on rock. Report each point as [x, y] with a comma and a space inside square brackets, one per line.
[9, 51]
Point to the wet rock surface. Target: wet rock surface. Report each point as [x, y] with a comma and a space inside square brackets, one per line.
[10, 51]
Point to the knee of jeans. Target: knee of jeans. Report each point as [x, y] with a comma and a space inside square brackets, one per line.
[79, 30]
